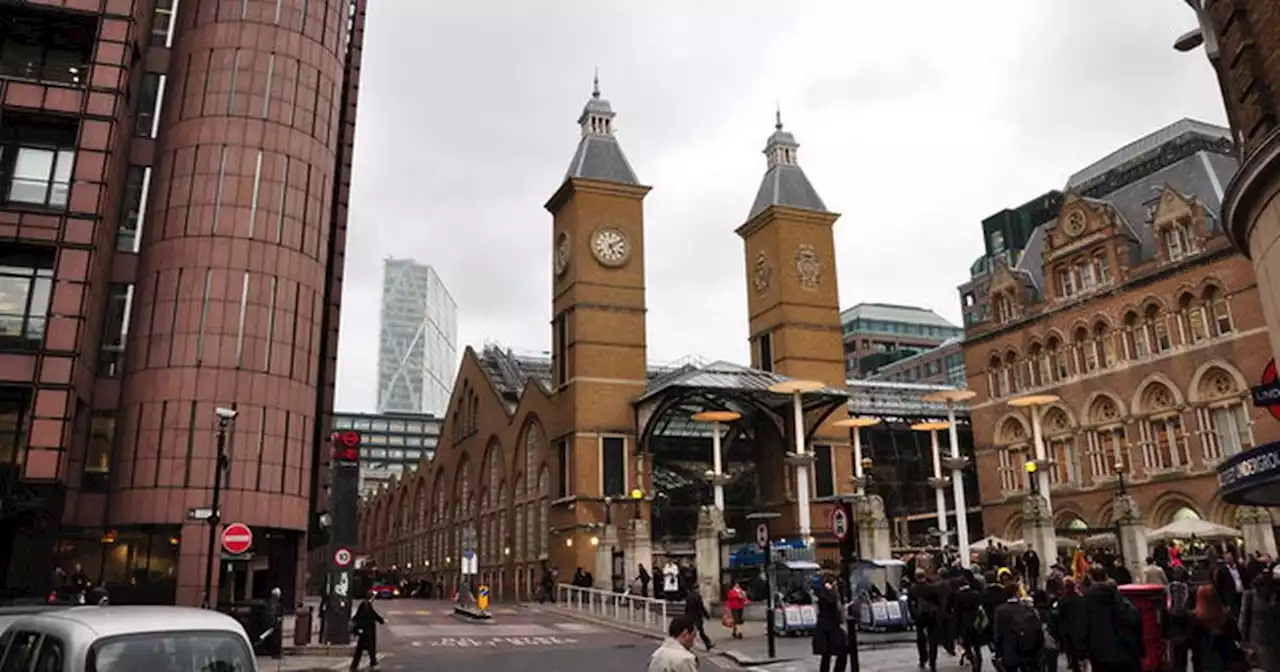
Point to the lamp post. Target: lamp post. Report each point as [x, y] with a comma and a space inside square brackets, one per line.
[716, 475]
[958, 464]
[939, 482]
[797, 389]
[1121, 507]
[1031, 467]
[1037, 402]
[225, 416]
[855, 425]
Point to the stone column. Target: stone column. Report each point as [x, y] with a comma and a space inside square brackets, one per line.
[603, 576]
[706, 547]
[1258, 529]
[1133, 533]
[873, 528]
[1037, 531]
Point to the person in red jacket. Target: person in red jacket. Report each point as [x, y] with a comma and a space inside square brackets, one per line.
[736, 602]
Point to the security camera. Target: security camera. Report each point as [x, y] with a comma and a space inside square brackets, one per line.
[224, 413]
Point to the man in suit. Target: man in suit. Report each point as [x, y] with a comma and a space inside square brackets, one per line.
[365, 626]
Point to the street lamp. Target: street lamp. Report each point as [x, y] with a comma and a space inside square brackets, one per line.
[855, 425]
[1120, 507]
[225, 416]
[1037, 402]
[958, 464]
[1031, 468]
[938, 482]
[716, 475]
[797, 389]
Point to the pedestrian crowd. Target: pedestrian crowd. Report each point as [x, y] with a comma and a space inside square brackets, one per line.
[1218, 613]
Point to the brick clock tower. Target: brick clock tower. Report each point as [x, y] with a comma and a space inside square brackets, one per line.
[793, 305]
[1242, 40]
[598, 331]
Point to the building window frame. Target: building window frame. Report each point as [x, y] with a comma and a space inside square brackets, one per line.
[30, 267]
[600, 455]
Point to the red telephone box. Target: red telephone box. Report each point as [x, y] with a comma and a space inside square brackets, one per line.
[1150, 601]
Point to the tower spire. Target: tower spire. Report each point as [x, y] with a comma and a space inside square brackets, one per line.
[595, 84]
[777, 116]
[784, 182]
[599, 157]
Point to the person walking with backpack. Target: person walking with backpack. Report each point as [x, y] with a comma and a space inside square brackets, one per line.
[1018, 634]
[1113, 634]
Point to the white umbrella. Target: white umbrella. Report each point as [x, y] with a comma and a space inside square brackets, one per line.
[1066, 542]
[1193, 527]
[984, 544]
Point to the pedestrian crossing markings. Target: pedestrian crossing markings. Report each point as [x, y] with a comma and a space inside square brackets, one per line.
[428, 612]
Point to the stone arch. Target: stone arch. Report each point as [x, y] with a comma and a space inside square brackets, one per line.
[1106, 514]
[1057, 420]
[1012, 529]
[1102, 408]
[1068, 516]
[1211, 282]
[1170, 506]
[1151, 394]
[1101, 318]
[1011, 430]
[1078, 325]
[1149, 301]
[1210, 378]
[1223, 513]
[1052, 334]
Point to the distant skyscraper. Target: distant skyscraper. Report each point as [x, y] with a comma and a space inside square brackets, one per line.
[418, 343]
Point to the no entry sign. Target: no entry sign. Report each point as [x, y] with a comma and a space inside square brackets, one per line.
[342, 557]
[237, 538]
[762, 535]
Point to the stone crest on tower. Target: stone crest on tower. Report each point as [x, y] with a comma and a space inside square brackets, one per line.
[808, 267]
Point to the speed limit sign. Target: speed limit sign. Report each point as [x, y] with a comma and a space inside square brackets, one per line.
[839, 523]
[342, 557]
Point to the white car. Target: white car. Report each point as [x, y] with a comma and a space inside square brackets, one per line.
[126, 639]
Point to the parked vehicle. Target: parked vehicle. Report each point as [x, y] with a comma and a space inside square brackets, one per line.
[126, 639]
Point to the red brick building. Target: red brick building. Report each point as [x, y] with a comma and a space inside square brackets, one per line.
[1133, 308]
[173, 225]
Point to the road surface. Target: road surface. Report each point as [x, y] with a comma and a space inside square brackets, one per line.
[425, 636]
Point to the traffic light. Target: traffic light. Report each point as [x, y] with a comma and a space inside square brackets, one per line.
[346, 445]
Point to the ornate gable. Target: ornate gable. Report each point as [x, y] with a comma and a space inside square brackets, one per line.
[1010, 292]
[1082, 223]
[1177, 224]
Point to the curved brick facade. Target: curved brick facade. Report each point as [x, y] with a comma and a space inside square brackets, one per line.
[231, 274]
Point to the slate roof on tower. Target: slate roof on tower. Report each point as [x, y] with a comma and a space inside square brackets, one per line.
[784, 183]
[599, 156]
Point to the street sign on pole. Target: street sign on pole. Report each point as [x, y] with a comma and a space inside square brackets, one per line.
[839, 522]
[762, 536]
[237, 538]
[200, 513]
[342, 557]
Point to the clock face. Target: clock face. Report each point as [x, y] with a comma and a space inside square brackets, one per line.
[1075, 223]
[562, 253]
[610, 246]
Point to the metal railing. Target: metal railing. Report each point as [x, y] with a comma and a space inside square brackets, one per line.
[645, 612]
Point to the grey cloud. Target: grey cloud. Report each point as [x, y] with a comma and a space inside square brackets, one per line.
[881, 83]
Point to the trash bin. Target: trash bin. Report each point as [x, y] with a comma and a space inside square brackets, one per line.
[302, 626]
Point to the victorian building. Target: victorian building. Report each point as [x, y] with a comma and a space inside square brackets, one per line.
[1132, 308]
[593, 459]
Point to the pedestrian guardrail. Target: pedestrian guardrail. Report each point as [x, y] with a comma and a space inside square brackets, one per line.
[634, 610]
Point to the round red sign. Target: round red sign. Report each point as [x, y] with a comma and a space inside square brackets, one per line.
[237, 538]
[1268, 377]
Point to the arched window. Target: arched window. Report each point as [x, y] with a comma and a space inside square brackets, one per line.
[1164, 445]
[1225, 426]
[1184, 513]
[1037, 366]
[544, 510]
[1058, 359]
[1012, 374]
[1104, 345]
[1012, 444]
[1220, 311]
[1137, 337]
[995, 378]
[1086, 355]
[1194, 325]
[1105, 439]
[1158, 328]
[1061, 444]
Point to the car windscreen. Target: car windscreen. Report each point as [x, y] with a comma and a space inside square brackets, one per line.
[207, 651]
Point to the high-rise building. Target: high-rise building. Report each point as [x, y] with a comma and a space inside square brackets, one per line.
[173, 223]
[878, 334]
[418, 340]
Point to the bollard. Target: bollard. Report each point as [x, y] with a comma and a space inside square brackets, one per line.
[302, 626]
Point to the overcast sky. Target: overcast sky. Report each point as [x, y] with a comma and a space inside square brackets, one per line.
[914, 124]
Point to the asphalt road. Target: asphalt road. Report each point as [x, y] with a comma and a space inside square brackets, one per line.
[425, 636]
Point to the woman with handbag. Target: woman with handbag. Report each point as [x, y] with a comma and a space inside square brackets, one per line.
[735, 604]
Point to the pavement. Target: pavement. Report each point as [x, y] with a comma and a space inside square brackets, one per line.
[426, 636]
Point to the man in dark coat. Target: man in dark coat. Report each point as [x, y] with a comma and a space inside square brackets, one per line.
[365, 626]
[926, 610]
[696, 610]
[829, 639]
[1031, 568]
[1113, 636]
